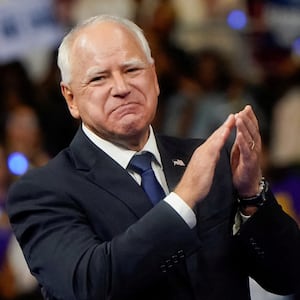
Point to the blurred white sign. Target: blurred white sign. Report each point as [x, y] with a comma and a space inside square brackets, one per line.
[26, 25]
[283, 17]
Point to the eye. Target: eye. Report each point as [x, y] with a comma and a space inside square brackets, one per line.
[131, 70]
[98, 78]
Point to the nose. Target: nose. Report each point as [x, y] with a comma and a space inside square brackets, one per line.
[120, 86]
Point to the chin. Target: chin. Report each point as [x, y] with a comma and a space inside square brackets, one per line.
[132, 129]
[133, 123]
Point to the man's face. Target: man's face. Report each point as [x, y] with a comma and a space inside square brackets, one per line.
[113, 88]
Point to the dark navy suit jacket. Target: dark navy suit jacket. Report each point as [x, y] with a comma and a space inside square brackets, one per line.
[88, 231]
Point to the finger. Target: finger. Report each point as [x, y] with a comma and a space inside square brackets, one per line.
[247, 124]
[245, 147]
[250, 125]
[218, 138]
[243, 136]
[224, 130]
[251, 115]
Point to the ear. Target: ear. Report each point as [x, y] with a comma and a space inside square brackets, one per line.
[70, 99]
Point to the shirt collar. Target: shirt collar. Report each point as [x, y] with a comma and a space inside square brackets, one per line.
[121, 155]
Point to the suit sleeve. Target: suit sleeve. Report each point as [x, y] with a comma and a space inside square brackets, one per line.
[71, 262]
[270, 247]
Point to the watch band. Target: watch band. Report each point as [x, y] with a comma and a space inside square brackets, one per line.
[257, 200]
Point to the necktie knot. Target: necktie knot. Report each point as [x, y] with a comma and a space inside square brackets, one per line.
[141, 164]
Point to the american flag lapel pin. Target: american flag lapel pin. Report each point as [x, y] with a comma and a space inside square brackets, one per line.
[178, 162]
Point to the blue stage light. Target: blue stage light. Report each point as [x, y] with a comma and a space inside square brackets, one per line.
[237, 19]
[296, 46]
[17, 163]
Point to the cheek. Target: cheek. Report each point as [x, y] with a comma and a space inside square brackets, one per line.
[152, 99]
[90, 106]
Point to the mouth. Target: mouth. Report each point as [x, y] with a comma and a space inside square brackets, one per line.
[126, 108]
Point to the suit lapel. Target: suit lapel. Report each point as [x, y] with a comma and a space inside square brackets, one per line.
[109, 175]
[174, 164]
[103, 171]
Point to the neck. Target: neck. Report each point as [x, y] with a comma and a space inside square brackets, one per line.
[135, 141]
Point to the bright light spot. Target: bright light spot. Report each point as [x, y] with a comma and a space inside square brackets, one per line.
[17, 163]
[237, 19]
[296, 46]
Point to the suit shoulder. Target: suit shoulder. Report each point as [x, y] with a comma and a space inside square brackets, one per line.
[52, 171]
[177, 142]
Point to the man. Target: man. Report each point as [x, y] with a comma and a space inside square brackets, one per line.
[89, 231]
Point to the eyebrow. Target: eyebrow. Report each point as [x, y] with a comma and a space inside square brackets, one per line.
[94, 70]
[134, 62]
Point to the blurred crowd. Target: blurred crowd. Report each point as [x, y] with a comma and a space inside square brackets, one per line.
[206, 70]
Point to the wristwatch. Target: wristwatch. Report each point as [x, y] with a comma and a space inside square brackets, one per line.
[257, 200]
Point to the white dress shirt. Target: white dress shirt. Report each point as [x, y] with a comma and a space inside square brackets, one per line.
[123, 156]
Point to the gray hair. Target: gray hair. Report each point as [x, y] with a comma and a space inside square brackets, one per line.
[63, 58]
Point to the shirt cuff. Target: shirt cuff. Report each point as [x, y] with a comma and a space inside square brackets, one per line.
[186, 213]
[239, 220]
[244, 217]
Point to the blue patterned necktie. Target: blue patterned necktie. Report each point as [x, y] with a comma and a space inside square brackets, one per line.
[141, 164]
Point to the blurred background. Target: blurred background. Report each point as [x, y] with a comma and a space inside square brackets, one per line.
[212, 58]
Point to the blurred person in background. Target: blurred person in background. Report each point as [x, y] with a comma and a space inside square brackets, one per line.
[285, 146]
[217, 91]
[224, 91]
[212, 77]
[57, 125]
[169, 58]
[84, 9]
[16, 282]
[20, 132]
[285, 143]
[16, 88]
[23, 134]
[181, 104]
[7, 288]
